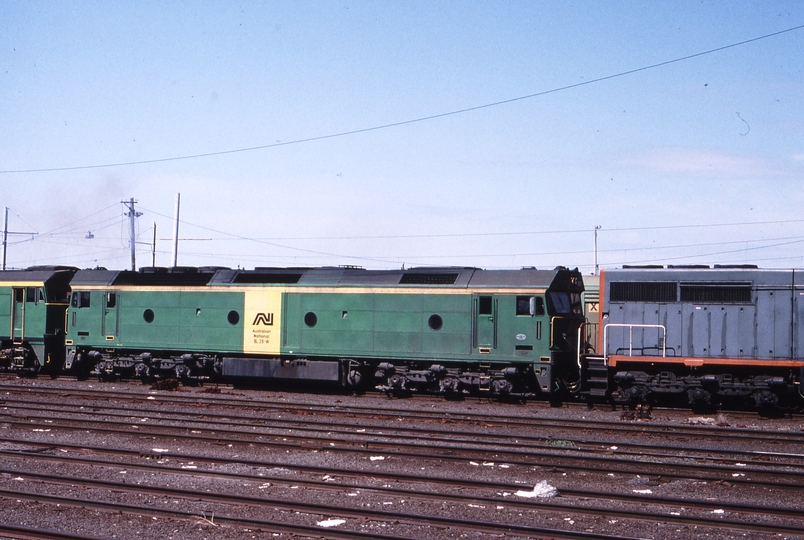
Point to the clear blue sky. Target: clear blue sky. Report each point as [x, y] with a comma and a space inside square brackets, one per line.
[699, 161]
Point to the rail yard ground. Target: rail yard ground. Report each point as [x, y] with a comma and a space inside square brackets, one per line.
[83, 459]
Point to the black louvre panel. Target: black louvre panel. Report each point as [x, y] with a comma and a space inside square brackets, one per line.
[716, 293]
[656, 291]
[428, 279]
[161, 279]
[266, 277]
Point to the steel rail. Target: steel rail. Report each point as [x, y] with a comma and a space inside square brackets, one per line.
[385, 515]
[330, 484]
[458, 453]
[541, 441]
[372, 411]
[323, 510]
[146, 510]
[21, 532]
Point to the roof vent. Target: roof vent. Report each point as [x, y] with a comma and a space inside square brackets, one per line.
[267, 277]
[419, 278]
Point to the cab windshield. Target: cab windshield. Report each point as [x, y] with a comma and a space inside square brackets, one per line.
[563, 303]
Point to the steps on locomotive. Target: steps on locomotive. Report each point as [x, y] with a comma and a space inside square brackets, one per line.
[595, 377]
[19, 356]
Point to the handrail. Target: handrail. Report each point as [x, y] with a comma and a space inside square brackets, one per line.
[583, 333]
[631, 337]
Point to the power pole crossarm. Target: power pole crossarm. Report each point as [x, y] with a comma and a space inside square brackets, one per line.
[6, 232]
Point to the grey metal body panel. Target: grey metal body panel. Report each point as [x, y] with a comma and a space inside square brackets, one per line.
[762, 327]
[798, 314]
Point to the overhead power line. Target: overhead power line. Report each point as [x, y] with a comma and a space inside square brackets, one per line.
[269, 240]
[525, 233]
[725, 252]
[386, 259]
[413, 120]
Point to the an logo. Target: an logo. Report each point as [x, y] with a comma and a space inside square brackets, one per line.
[262, 318]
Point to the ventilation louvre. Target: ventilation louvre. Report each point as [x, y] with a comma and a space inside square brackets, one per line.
[419, 278]
[716, 293]
[649, 291]
[267, 277]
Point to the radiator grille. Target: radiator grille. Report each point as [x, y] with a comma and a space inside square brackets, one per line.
[647, 291]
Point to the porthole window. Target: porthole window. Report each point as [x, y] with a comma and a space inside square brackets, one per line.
[233, 317]
[435, 322]
[148, 315]
[310, 319]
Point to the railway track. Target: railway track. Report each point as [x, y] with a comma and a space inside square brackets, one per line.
[499, 433]
[130, 432]
[524, 418]
[303, 419]
[781, 475]
[363, 478]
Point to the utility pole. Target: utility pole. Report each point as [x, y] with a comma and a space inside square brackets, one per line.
[5, 239]
[597, 269]
[153, 248]
[175, 256]
[6, 232]
[132, 216]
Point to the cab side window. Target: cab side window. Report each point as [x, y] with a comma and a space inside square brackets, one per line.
[539, 308]
[485, 307]
[529, 306]
[80, 299]
[33, 295]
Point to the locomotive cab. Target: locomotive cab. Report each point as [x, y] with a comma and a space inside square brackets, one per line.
[32, 306]
[565, 308]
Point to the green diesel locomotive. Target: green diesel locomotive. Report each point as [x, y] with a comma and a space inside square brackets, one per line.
[441, 330]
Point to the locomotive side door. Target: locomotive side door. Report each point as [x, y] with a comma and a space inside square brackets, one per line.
[485, 336]
[81, 320]
[17, 314]
[109, 329]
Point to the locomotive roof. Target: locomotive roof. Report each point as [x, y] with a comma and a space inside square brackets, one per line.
[745, 274]
[34, 275]
[105, 278]
[458, 277]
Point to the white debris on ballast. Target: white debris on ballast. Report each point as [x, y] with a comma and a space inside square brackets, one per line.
[542, 489]
[331, 522]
